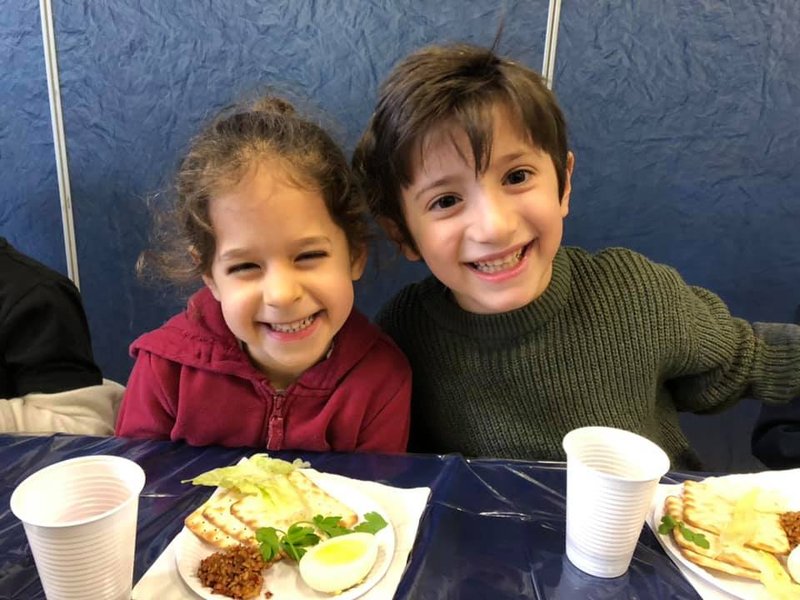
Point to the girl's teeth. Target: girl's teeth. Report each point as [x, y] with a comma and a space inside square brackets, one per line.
[500, 264]
[292, 327]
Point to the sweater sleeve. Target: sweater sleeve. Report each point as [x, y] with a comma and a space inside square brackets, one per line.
[724, 359]
[149, 406]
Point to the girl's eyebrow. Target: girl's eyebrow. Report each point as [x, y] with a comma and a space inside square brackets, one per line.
[233, 254]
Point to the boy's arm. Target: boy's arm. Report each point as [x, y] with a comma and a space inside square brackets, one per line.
[723, 359]
[85, 411]
[149, 406]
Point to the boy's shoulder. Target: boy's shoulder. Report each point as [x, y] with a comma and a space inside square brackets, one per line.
[620, 265]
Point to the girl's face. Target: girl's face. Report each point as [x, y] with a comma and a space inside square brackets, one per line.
[490, 238]
[282, 272]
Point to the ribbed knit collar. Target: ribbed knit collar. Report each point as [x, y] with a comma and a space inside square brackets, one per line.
[440, 305]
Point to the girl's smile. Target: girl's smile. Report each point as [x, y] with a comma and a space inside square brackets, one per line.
[295, 330]
[282, 271]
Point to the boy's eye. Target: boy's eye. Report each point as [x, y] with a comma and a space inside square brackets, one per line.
[241, 267]
[518, 176]
[444, 202]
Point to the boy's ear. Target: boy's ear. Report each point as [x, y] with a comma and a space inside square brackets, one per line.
[358, 263]
[570, 167]
[394, 233]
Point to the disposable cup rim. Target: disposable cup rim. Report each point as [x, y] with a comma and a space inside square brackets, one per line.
[138, 485]
[658, 473]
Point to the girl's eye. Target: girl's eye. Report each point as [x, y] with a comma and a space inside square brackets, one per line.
[518, 176]
[444, 202]
[314, 255]
[241, 267]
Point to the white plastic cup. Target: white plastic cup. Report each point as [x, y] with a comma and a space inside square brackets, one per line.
[80, 519]
[612, 475]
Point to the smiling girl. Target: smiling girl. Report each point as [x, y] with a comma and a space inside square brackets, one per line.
[270, 353]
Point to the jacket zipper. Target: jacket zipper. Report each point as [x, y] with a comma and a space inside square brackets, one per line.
[275, 427]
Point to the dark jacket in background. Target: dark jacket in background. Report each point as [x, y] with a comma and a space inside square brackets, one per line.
[45, 346]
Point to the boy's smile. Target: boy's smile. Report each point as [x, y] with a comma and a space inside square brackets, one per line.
[489, 237]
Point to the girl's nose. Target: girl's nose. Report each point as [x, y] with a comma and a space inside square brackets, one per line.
[494, 218]
[281, 287]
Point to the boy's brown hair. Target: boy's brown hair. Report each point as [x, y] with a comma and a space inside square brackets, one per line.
[454, 85]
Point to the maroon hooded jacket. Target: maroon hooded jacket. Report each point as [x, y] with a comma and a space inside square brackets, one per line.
[192, 381]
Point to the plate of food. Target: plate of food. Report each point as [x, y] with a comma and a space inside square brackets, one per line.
[282, 530]
[740, 533]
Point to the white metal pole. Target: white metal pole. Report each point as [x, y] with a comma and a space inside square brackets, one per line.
[59, 141]
[550, 42]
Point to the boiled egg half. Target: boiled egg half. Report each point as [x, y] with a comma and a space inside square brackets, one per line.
[339, 563]
[793, 564]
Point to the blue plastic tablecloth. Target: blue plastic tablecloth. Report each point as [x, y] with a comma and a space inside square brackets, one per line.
[494, 529]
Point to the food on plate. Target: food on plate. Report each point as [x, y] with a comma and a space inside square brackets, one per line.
[339, 563]
[265, 510]
[733, 529]
[235, 572]
[791, 525]
[259, 492]
[793, 564]
[705, 507]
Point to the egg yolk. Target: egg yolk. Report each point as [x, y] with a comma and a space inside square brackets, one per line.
[344, 551]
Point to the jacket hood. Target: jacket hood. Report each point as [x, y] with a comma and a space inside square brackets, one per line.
[199, 338]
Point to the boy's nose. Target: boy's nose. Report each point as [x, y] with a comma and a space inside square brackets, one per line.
[494, 219]
[281, 288]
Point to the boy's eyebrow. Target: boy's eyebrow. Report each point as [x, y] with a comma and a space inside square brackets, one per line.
[433, 185]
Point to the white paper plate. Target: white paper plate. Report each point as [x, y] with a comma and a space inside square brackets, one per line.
[283, 578]
[785, 482]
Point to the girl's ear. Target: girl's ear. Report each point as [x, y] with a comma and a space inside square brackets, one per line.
[211, 285]
[358, 263]
[393, 232]
[207, 278]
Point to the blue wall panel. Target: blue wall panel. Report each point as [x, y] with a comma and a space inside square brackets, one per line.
[138, 79]
[30, 214]
[685, 119]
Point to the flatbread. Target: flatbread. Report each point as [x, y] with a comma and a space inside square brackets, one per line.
[737, 560]
[230, 518]
[207, 531]
[703, 507]
[220, 515]
[319, 502]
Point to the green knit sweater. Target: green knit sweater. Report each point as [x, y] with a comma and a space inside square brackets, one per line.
[615, 340]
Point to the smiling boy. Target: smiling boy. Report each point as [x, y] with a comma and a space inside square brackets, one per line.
[515, 340]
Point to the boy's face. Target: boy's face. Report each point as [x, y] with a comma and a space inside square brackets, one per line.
[282, 272]
[490, 239]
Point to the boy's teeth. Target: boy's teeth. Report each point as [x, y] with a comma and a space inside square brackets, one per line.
[292, 327]
[500, 264]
